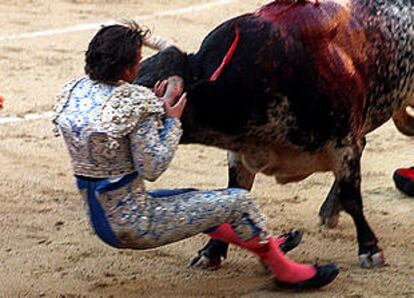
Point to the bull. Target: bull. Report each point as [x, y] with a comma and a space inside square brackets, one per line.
[293, 89]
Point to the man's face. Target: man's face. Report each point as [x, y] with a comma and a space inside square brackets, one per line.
[131, 73]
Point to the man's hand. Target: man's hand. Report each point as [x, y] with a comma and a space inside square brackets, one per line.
[159, 88]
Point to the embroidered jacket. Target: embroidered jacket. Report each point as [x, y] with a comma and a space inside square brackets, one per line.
[115, 130]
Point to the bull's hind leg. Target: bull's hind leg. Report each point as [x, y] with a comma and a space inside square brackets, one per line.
[330, 210]
[348, 179]
[215, 251]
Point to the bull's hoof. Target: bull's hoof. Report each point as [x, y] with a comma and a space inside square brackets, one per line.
[292, 240]
[210, 256]
[205, 262]
[329, 222]
[371, 259]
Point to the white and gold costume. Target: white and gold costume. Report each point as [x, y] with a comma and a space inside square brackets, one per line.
[117, 137]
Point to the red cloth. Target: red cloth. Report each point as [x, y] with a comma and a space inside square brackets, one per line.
[227, 58]
[408, 173]
[404, 180]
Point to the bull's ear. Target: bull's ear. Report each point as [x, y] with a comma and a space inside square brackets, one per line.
[166, 63]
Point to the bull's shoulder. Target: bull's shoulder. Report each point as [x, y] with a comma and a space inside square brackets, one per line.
[315, 23]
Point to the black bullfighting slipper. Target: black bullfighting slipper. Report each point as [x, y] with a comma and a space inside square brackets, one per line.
[324, 275]
[404, 180]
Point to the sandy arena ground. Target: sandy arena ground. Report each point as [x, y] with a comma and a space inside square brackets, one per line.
[47, 248]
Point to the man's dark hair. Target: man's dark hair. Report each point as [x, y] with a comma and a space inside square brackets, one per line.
[113, 49]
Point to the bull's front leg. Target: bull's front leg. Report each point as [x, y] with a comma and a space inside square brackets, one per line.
[330, 209]
[215, 251]
[348, 184]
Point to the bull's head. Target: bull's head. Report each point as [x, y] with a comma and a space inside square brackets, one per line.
[168, 62]
[182, 71]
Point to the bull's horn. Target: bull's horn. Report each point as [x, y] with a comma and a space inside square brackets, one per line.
[175, 87]
[156, 43]
[404, 121]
